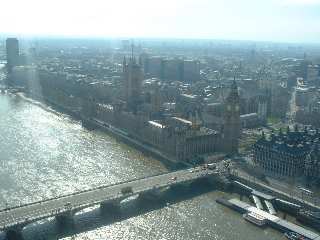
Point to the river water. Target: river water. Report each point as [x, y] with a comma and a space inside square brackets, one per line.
[44, 154]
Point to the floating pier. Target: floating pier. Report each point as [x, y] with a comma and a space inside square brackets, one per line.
[257, 202]
[271, 220]
[270, 207]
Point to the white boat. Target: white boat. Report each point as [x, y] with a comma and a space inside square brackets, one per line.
[255, 218]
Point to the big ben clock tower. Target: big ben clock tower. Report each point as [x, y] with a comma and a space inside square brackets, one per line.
[231, 118]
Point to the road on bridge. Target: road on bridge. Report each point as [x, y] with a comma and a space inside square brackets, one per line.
[22, 215]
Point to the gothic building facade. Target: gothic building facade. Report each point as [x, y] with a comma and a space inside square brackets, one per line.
[231, 119]
[133, 77]
[172, 135]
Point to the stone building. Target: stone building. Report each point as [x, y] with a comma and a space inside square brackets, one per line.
[191, 71]
[313, 73]
[309, 108]
[181, 138]
[312, 165]
[175, 137]
[178, 135]
[232, 124]
[172, 69]
[133, 77]
[253, 105]
[12, 51]
[289, 154]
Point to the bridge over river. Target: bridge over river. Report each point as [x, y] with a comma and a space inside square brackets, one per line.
[13, 220]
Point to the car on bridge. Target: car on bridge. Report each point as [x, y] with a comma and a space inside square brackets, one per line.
[67, 205]
[212, 166]
[126, 190]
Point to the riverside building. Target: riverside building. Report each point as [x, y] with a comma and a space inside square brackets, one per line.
[292, 153]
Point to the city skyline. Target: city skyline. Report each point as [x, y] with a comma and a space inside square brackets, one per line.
[275, 20]
[126, 137]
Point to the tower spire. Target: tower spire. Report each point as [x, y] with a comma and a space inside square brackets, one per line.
[124, 64]
[233, 95]
[132, 51]
[234, 84]
[232, 120]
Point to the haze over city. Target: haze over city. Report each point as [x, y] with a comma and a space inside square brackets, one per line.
[160, 120]
[265, 20]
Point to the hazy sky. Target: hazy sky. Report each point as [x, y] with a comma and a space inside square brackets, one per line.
[276, 20]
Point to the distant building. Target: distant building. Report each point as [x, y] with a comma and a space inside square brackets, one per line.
[306, 95]
[313, 73]
[191, 71]
[125, 44]
[153, 66]
[12, 48]
[280, 97]
[301, 68]
[171, 69]
[310, 114]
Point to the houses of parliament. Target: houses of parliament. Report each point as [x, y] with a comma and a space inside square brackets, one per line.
[140, 113]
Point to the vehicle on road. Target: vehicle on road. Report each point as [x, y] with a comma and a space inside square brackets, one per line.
[126, 190]
[212, 166]
[204, 167]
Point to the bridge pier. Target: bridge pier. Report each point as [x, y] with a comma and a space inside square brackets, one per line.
[152, 195]
[65, 218]
[180, 187]
[110, 207]
[222, 181]
[14, 233]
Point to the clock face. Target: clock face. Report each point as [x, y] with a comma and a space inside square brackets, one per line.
[229, 107]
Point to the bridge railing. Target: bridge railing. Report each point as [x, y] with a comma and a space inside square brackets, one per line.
[54, 212]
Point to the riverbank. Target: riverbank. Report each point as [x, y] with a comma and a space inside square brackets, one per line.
[92, 124]
[147, 149]
[257, 184]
